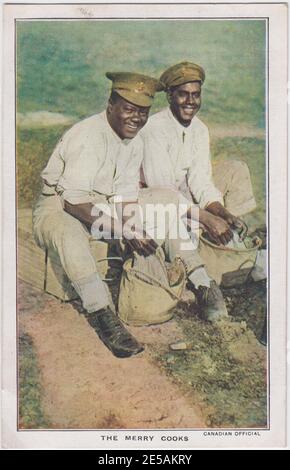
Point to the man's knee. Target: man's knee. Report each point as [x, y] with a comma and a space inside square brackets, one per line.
[61, 227]
[231, 175]
[239, 168]
[71, 229]
[239, 198]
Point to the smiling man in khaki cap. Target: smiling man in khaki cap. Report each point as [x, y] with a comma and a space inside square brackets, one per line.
[134, 87]
[97, 161]
[177, 156]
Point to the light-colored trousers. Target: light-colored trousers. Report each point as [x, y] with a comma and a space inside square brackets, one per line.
[56, 230]
[232, 178]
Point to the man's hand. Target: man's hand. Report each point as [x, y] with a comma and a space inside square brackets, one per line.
[110, 227]
[82, 212]
[133, 234]
[217, 209]
[141, 243]
[217, 229]
[238, 224]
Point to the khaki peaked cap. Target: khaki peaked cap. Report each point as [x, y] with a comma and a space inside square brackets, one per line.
[134, 87]
[182, 73]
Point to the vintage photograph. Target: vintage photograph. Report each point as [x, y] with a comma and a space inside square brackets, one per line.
[144, 110]
[144, 235]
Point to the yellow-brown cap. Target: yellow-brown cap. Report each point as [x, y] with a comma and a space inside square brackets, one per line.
[181, 73]
[134, 87]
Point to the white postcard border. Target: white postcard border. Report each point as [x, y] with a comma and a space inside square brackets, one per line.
[277, 132]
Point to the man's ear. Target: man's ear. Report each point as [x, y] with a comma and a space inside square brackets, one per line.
[109, 107]
[169, 96]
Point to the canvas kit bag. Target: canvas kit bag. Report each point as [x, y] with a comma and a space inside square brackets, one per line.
[232, 264]
[149, 289]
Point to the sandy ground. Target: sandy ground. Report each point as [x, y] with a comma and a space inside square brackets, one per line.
[86, 387]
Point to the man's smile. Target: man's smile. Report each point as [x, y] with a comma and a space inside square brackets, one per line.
[185, 101]
[189, 108]
[132, 128]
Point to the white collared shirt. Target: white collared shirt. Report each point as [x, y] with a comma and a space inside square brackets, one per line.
[89, 159]
[179, 157]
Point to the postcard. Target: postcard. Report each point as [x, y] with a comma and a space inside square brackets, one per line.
[144, 221]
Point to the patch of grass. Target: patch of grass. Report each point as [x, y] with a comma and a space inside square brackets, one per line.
[231, 384]
[224, 364]
[61, 65]
[31, 415]
[34, 147]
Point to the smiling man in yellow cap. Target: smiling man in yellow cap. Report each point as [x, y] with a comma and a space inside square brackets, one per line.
[177, 156]
[96, 161]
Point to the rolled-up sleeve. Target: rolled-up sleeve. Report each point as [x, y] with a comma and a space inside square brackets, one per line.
[200, 173]
[53, 170]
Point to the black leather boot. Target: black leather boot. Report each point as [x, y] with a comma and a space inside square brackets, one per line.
[211, 301]
[113, 334]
